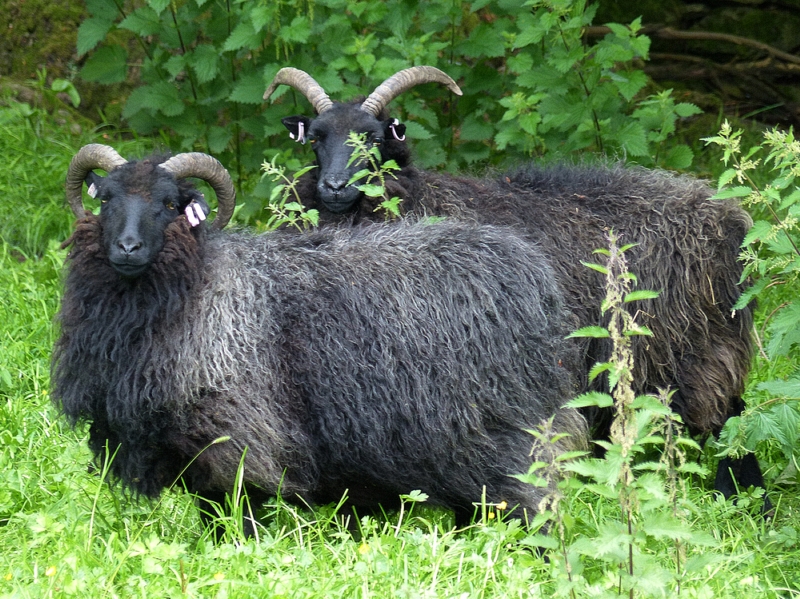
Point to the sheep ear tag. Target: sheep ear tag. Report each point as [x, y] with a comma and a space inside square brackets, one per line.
[195, 213]
[297, 126]
[92, 190]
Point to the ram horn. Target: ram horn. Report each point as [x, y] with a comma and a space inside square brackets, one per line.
[209, 169]
[87, 159]
[305, 84]
[403, 81]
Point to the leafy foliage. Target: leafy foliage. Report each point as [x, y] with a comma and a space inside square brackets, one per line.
[653, 517]
[531, 86]
[772, 259]
[374, 174]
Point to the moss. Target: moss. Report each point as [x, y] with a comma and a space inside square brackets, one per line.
[39, 34]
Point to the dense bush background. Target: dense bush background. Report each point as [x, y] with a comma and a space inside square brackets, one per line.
[543, 79]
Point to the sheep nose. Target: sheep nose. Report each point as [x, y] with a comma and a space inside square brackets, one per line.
[129, 246]
[335, 183]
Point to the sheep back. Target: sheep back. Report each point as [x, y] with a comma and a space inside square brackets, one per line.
[687, 248]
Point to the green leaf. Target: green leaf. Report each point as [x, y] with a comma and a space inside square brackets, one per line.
[599, 268]
[108, 64]
[63, 85]
[219, 138]
[679, 157]
[358, 175]
[599, 369]
[143, 21]
[764, 426]
[686, 109]
[416, 131]
[248, 90]
[160, 97]
[641, 294]
[760, 230]
[372, 191]
[732, 192]
[476, 128]
[91, 32]
[102, 9]
[592, 331]
[592, 398]
[158, 6]
[633, 138]
[485, 41]
[789, 388]
[726, 177]
[175, 65]
[636, 330]
[751, 292]
[303, 171]
[629, 83]
[204, 60]
[784, 331]
[243, 36]
[298, 31]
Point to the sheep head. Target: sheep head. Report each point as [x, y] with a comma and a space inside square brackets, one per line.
[139, 199]
[328, 132]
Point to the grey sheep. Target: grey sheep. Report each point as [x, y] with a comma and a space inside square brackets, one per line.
[374, 360]
[687, 246]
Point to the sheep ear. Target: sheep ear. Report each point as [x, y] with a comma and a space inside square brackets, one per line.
[195, 197]
[93, 181]
[297, 126]
[394, 129]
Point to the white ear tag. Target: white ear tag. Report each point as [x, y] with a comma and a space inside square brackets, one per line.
[92, 191]
[194, 214]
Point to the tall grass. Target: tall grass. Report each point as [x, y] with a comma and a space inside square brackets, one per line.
[66, 531]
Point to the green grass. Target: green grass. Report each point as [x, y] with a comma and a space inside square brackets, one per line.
[66, 532]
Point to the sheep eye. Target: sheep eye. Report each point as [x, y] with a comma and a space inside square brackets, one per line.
[312, 139]
[170, 205]
[377, 141]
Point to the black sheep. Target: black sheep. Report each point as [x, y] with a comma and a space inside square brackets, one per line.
[377, 360]
[687, 246]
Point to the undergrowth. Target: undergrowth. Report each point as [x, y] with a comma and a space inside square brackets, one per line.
[630, 525]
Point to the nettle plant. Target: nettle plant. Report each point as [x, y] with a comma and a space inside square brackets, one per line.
[771, 255]
[532, 84]
[649, 548]
[373, 175]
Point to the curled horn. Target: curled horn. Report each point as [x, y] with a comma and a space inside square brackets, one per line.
[87, 159]
[305, 84]
[208, 168]
[403, 81]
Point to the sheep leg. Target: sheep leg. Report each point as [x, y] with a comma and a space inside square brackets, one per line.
[741, 473]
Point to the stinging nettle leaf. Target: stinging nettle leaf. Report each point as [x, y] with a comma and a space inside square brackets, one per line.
[591, 331]
[108, 64]
[641, 294]
[91, 32]
[204, 60]
[592, 398]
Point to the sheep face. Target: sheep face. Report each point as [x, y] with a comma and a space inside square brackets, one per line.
[138, 201]
[328, 135]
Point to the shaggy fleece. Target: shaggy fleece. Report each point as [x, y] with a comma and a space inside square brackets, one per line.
[376, 359]
[687, 248]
